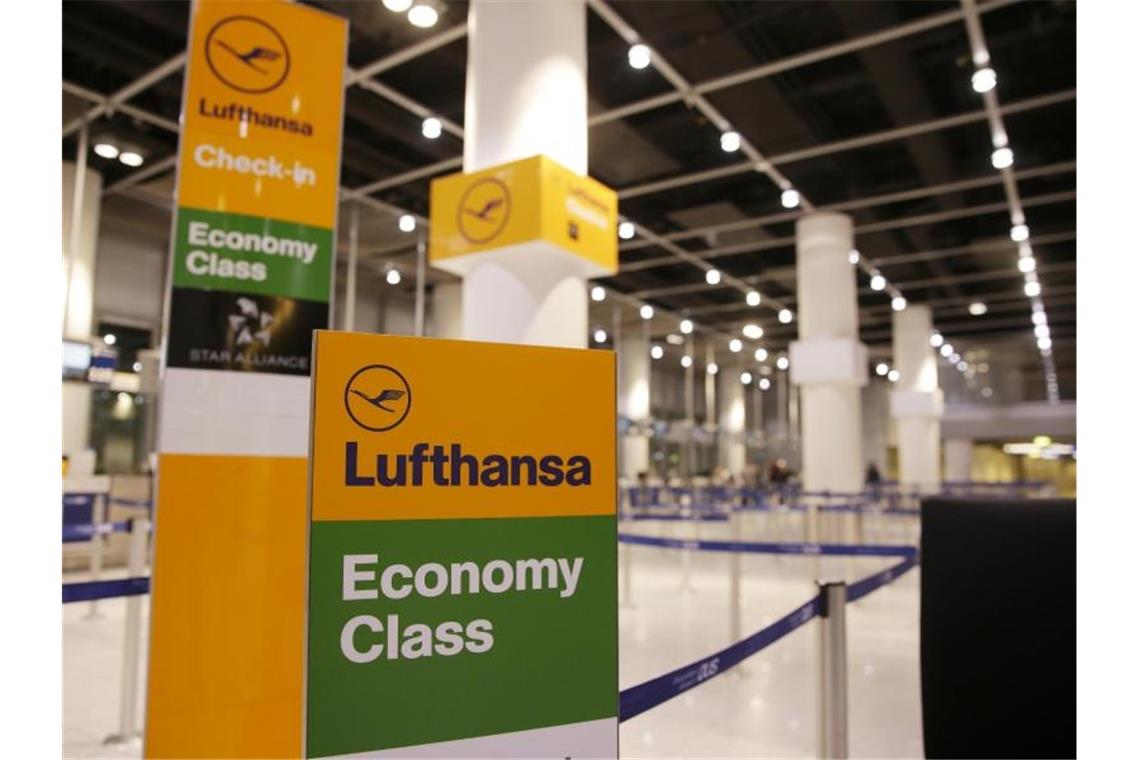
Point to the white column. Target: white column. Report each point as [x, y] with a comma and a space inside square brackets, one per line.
[526, 95]
[959, 459]
[828, 362]
[633, 398]
[916, 402]
[731, 419]
[447, 309]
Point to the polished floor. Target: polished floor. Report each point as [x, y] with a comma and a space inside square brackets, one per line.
[678, 612]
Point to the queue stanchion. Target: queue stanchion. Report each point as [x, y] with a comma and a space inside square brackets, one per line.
[95, 568]
[833, 671]
[132, 635]
[734, 632]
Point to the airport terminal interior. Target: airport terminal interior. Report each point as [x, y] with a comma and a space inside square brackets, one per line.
[817, 263]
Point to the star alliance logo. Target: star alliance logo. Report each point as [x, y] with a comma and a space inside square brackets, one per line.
[250, 325]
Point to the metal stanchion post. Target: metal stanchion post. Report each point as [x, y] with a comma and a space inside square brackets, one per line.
[833, 670]
[98, 518]
[128, 688]
[734, 584]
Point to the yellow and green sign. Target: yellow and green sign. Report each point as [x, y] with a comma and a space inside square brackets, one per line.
[462, 548]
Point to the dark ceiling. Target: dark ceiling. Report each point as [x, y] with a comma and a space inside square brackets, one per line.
[947, 246]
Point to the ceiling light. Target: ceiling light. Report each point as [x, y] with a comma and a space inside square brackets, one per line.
[983, 80]
[423, 16]
[130, 158]
[946, 349]
[1027, 264]
[893, 375]
[1041, 331]
[686, 326]
[782, 363]
[393, 276]
[597, 294]
[626, 230]
[977, 308]
[789, 199]
[785, 316]
[646, 311]
[106, 150]
[397, 6]
[753, 298]
[954, 358]
[599, 336]
[1018, 232]
[1044, 343]
[673, 339]
[1032, 289]
[760, 354]
[936, 340]
[735, 345]
[686, 361]
[729, 141]
[881, 369]
[853, 256]
[898, 303]
[110, 339]
[407, 223]
[639, 56]
[656, 352]
[963, 366]
[1002, 158]
[878, 282]
[987, 392]
[712, 277]
[746, 378]
[432, 128]
[753, 332]
[137, 366]
[712, 369]
[765, 383]
[1038, 318]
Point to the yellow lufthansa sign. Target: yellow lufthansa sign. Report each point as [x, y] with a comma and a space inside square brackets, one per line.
[525, 201]
[262, 116]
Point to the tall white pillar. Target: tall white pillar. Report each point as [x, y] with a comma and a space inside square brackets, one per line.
[633, 398]
[828, 362]
[916, 402]
[731, 420]
[959, 459]
[447, 309]
[526, 95]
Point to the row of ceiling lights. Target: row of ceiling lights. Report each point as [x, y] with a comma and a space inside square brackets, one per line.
[111, 152]
[420, 13]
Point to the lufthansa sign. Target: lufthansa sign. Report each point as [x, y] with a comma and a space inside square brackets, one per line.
[462, 549]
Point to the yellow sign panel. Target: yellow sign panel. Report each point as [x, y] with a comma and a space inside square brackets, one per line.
[394, 409]
[262, 115]
[529, 200]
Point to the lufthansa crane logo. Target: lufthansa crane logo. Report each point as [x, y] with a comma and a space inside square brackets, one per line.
[484, 210]
[247, 54]
[377, 397]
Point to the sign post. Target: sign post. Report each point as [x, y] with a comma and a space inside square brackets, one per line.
[251, 272]
[462, 550]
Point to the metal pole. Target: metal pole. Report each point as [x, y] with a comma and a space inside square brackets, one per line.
[421, 283]
[77, 187]
[98, 517]
[833, 670]
[128, 688]
[734, 632]
[350, 280]
[690, 414]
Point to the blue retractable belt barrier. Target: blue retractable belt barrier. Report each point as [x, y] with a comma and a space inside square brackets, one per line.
[87, 591]
[74, 533]
[647, 695]
[132, 502]
[673, 516]
[856, 550]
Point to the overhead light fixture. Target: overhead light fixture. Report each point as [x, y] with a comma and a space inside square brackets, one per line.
[735, 345]
[753, 298]
[936, 340]
[673, 339]
[753, 332]
[963, 366]
[686, 361]
[597, 294]
[878, 282]
[639, 56]
[646, 311]
[397, 6]
[1039, 318]
[432, 128]
[1018, 232]
[893, 375]
[712, 277]
[946, 349]
[746, 378]
[782, 363]
[712, 369]
[130, 158]
[626, 230]
[110, 339]
[686, 326]
[1002, 158]
[106, 150]
[983, 80]
[423, 15]
[656, 352]
[407, 223]
[898, 303]
[785, 316]
[393, 276]
[1027, 264]
[954, 358]
[765, 383]
[730, 141]
[600, 335]
[790, 198]
[1032, 289]
[1041, 331]
[853, 256]
[881, 369]
[760, 355]
[977, 309]
[1044, 344]
[137, 366]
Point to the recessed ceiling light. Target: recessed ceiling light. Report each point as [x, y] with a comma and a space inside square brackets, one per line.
[1018, 232]
[753, 332]
[407, 223]
[881, 369]
[397, 6]
[393, 276]
[1002, 158]
[898, 303]
[983, 80]
[106, 150]
[626, 230]
[730, 141]
[977, 308]
[790, 198]
[735, 345]
[785, 316]
[599, 336]
[656, 352]
[753, 298]
[432, 128]
[130, 158]
[746, 378]
[423, 16]
[646, 311]
[597, 294]
[878, 282]
[686, 326]
[760, 355]
[639, 56]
